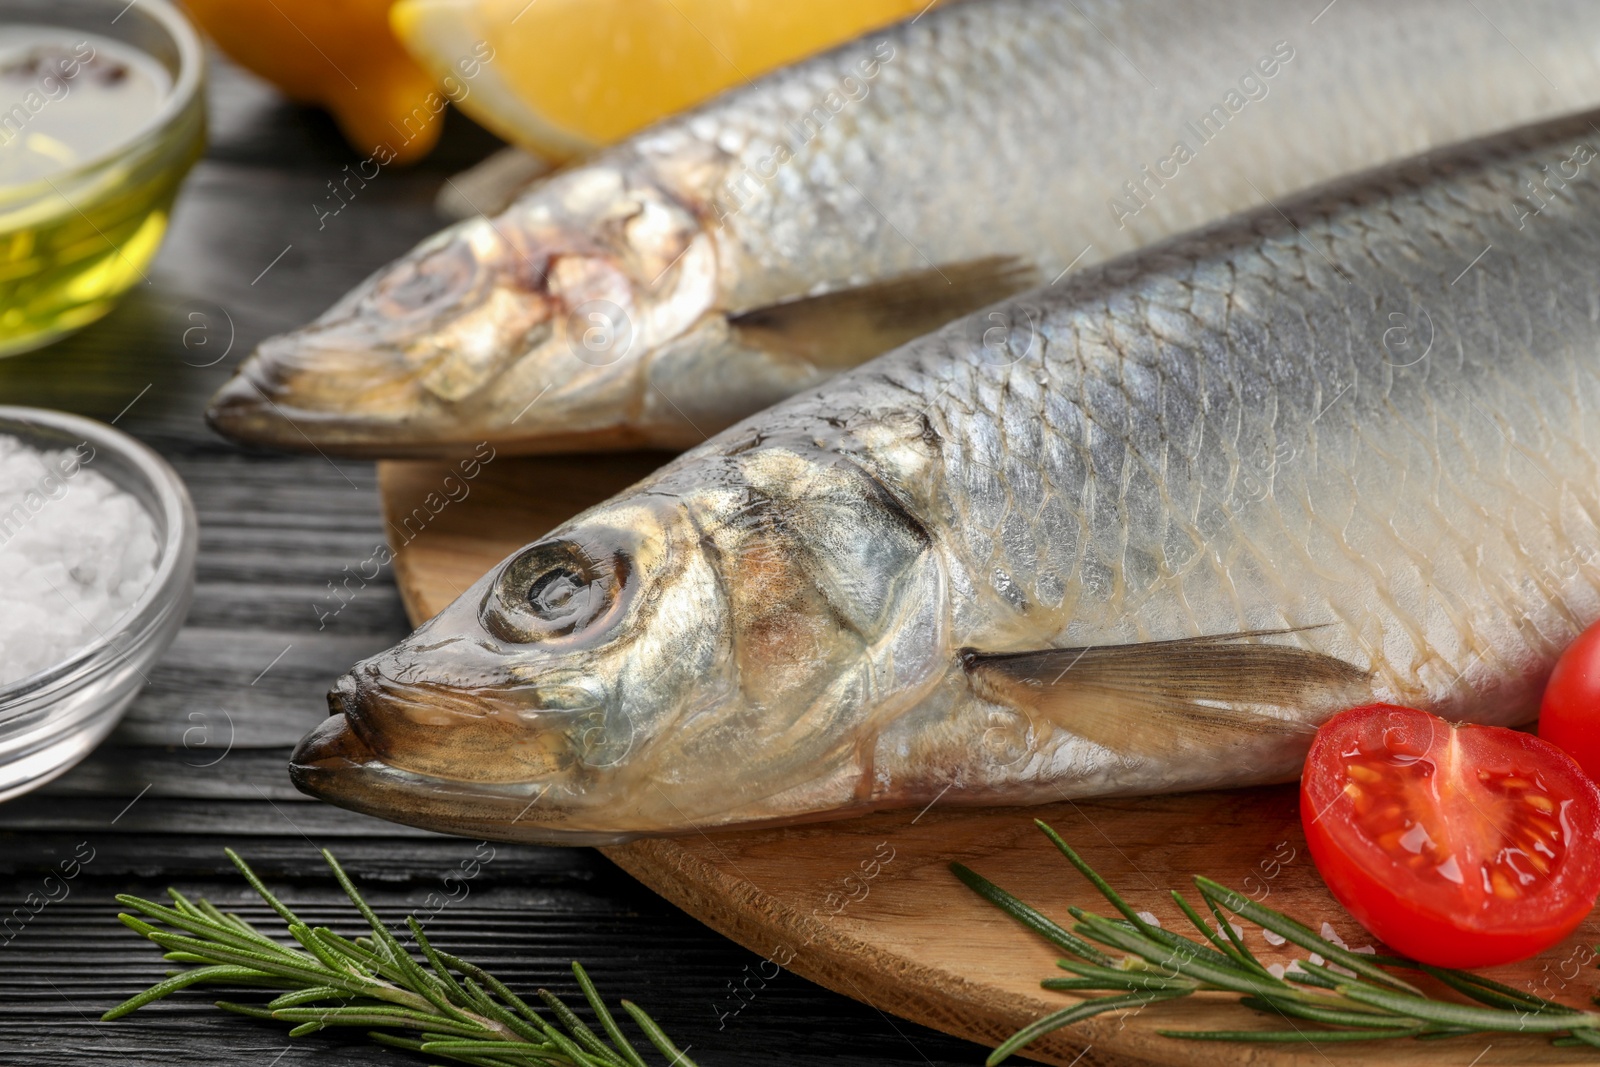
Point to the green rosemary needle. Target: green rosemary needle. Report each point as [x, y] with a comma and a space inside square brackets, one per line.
[455, 1010]
[1360, 1001]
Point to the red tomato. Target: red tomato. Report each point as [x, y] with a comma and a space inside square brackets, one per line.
[1569, 718]
[1459, 846]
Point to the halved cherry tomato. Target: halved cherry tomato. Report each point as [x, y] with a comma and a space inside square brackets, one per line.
[1459, 846]
[1569, 718]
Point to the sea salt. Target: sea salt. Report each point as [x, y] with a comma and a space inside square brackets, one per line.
[76, 553]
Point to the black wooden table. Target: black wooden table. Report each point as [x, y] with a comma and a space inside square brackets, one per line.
[200, 761]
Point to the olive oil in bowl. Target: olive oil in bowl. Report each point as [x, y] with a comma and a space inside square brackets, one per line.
[101, 115]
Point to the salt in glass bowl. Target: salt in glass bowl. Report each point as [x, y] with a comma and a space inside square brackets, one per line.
[52, 719]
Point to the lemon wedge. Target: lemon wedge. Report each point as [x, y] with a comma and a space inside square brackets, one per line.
[561, 77]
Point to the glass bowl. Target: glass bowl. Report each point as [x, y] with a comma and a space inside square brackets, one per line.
[50, 720]
[74, 240]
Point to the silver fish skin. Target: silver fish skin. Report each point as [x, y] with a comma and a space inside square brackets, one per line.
[1342, 452]
[746, 251]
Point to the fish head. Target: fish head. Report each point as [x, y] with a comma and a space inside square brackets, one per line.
[693, 654]
[532, 327]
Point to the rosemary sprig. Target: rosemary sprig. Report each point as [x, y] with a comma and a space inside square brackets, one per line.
[1360, 1002]
[454, 1009]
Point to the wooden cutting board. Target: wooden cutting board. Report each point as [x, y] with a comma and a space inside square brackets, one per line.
[868, 907]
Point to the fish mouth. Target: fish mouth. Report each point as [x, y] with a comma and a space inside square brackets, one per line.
[300, 397]
[370, 409]
[334, 764]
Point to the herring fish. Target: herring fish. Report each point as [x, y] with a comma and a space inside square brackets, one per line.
[823, 215]
[1339, 450]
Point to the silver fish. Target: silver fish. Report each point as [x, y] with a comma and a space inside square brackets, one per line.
[1201, 497]
[831, 211]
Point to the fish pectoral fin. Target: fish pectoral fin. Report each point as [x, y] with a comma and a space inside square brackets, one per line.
[846, 327]
[1161, 698]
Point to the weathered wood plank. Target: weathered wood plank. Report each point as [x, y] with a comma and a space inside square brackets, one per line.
[394, 861]
[272, 686]
[319, 824]
[204, 767]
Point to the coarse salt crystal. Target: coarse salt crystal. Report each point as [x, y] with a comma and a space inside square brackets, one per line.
[76, 552]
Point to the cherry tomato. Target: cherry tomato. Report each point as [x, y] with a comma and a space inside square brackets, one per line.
[1569, 718]
[1459, 846]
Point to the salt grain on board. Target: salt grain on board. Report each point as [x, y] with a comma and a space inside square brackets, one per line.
[1332, 935]
[76, 553]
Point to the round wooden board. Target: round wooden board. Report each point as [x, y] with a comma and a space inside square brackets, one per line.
[868, 907]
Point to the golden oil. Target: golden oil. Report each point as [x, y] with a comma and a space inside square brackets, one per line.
[96, 133]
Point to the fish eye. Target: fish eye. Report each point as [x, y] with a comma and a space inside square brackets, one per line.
[440, 276]
[553, 590]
